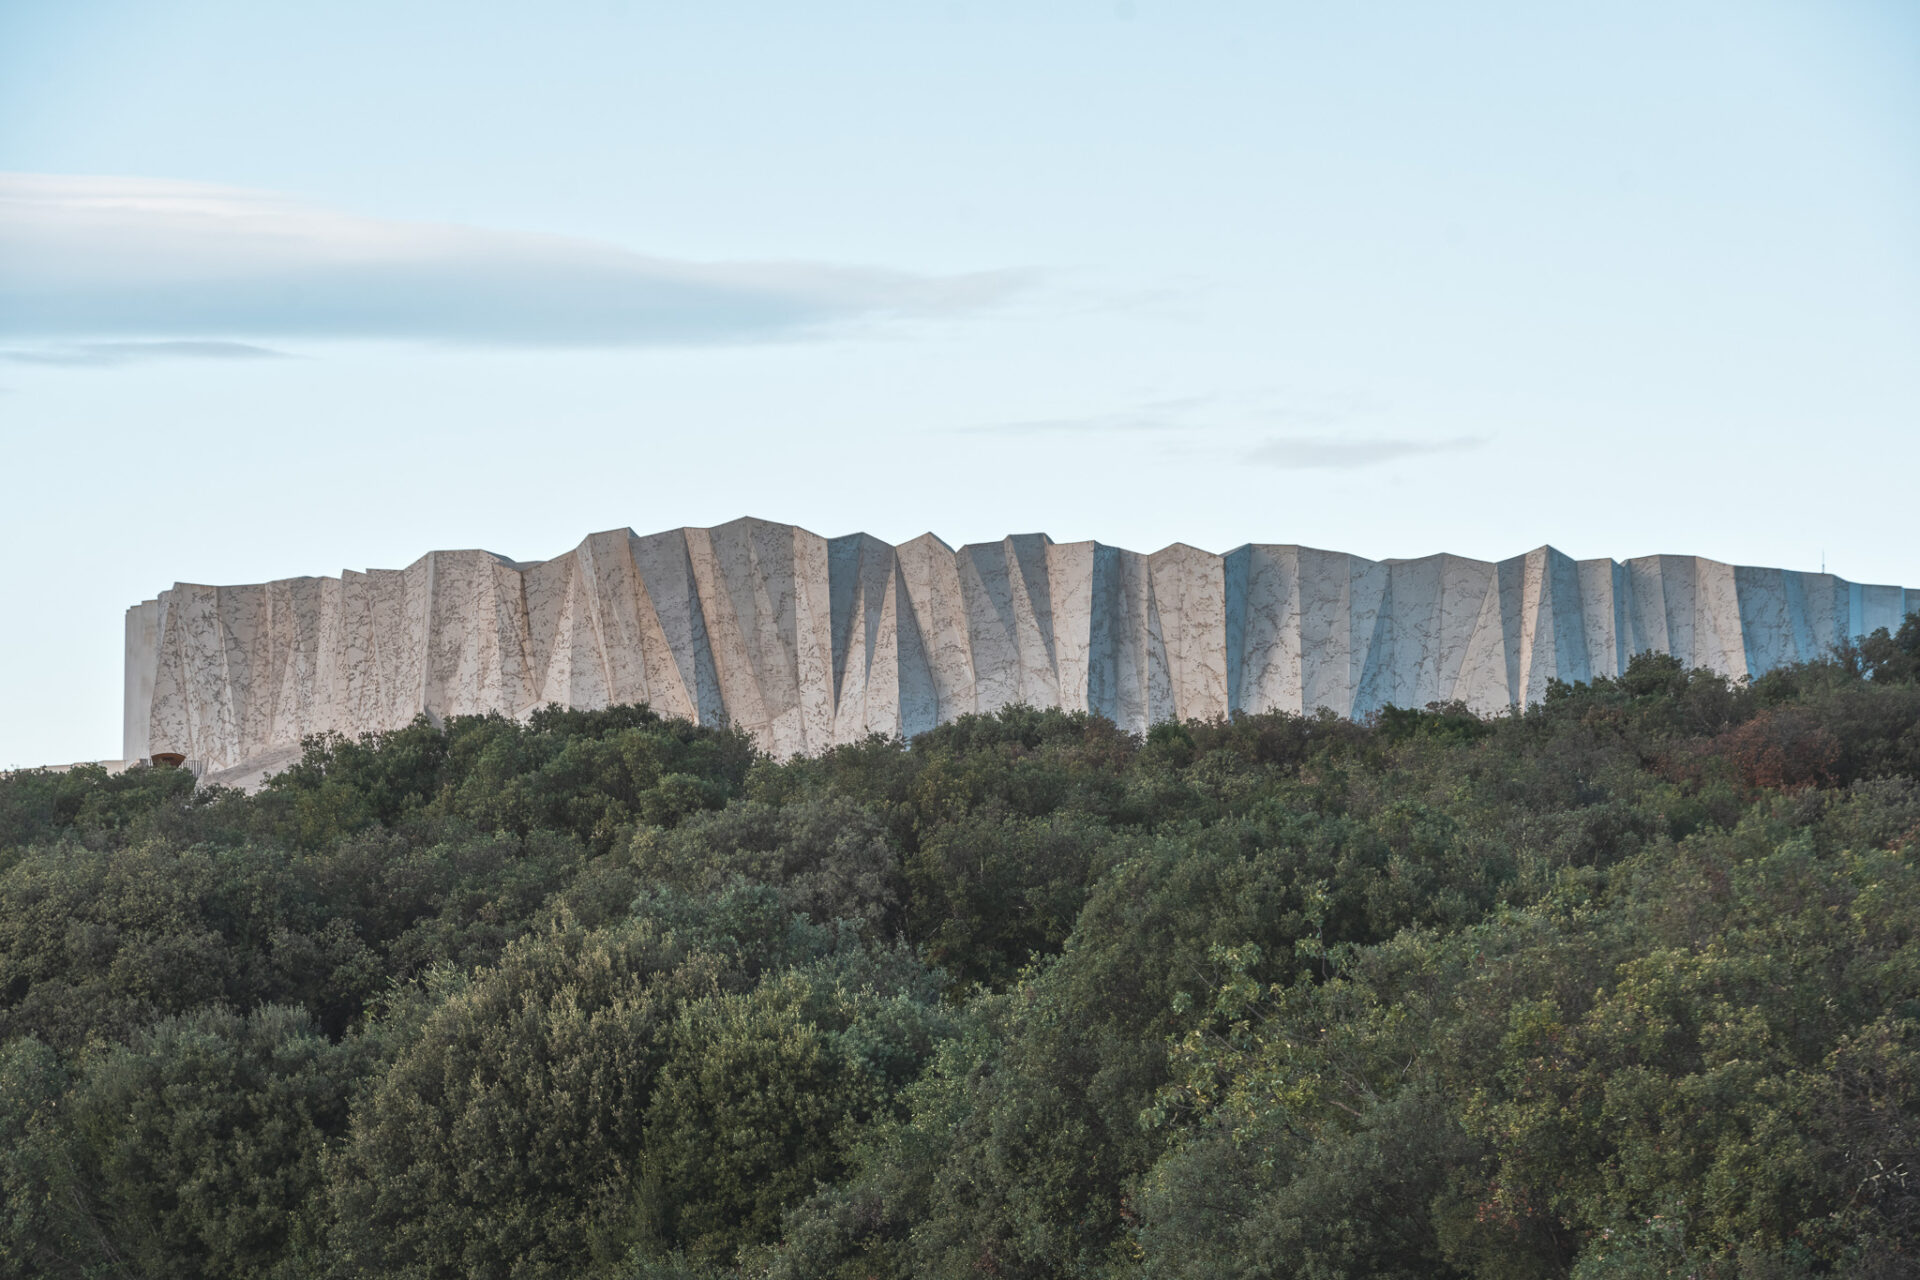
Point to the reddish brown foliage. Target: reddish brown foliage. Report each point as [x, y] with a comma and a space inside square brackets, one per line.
[1784, 748]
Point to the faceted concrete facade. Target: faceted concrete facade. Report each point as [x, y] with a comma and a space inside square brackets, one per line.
[808, 641]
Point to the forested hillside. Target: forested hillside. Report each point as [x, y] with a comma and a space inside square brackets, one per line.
[1625, 985]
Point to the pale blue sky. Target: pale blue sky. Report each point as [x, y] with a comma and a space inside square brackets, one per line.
[286, 289]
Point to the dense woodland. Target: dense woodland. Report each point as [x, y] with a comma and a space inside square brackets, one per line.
[1626, 984]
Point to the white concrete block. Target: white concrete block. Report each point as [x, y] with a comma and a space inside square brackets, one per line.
[805, 642]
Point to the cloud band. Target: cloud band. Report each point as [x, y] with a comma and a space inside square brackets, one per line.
[85, 257]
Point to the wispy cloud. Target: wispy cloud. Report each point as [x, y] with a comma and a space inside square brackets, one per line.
[1308, 417]
[1347, 453]
[89, 258]
[1155, 415]
[98, 354]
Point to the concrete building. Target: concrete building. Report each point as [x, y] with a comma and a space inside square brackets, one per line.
[808, 642]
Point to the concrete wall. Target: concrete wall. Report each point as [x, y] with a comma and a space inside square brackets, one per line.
[807, 642]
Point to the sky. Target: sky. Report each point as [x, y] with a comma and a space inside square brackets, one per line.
[286, 289]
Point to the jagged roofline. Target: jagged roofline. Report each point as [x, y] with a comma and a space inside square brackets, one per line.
[523, 565]
[807, 641]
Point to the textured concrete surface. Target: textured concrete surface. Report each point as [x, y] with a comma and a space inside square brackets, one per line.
[807, 641]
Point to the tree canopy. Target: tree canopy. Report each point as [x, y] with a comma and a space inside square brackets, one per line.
[1626, 983]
